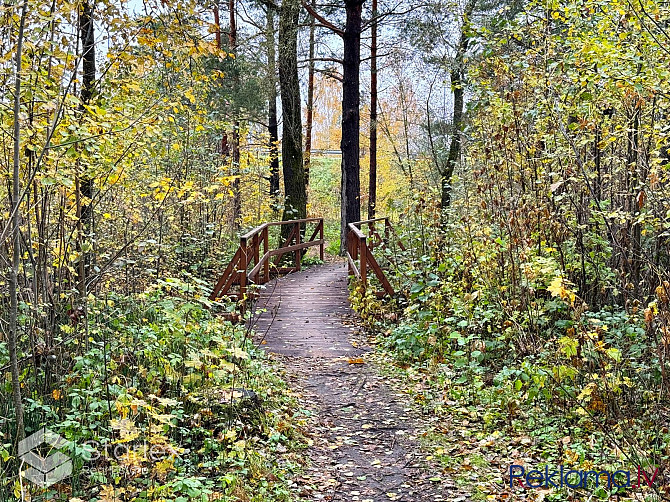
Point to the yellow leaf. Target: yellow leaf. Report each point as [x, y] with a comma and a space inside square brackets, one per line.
[126, 428]
[557, 289]
[238, 353]
[556, 286]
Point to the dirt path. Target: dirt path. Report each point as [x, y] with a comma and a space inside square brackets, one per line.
[366, 437]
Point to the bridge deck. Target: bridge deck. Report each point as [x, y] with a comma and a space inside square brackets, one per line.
[365, 434]
[304, 313]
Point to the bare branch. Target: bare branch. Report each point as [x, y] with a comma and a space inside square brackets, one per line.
[270, 4]
[325, 60]
[324, 22]
[331, 74]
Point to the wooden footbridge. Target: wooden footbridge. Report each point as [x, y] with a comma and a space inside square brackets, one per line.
[302, 316]
[255, 262]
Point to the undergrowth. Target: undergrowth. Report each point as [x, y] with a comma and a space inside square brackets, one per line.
[522, 371]
[159, 400]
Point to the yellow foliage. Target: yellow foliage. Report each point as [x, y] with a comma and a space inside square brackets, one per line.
[558, 288]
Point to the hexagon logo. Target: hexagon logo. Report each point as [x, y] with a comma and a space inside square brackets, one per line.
[44, 471]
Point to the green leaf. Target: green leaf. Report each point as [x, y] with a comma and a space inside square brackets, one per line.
[614, 353]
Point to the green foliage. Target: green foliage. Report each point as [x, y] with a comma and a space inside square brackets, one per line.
[157, 388]
[324, 176]
[498, 328]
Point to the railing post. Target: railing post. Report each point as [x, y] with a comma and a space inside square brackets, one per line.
[243, 267]
[321, 246]
[387, 231]
[298, 252]
[349, 252]
[255, 243]
[266, 263]
[371, 233]
[364, 262]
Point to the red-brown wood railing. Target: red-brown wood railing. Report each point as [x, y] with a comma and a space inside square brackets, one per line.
[360, 247]
[249, 255]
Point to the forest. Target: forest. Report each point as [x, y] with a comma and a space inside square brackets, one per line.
[506, 337]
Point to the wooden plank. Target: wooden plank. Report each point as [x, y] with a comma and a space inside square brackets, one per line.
[349, 251]
[224, 277]
[255, 231]
[374, 220]
[262, 263]
[283, 246]
[291, 302]
[289, 222]
[380, 275]
[298, 252]
[243, 269]
[266, 250]
[255, 244]
[316, 231]
[249, 253]
[232, 279]
[353, 228]
[295, 247]
[321, 246]
[352, 266]
[363, 262]
[286, 270]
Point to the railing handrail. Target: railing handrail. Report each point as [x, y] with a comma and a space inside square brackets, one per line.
[359, 233]
[249, 253]
[373, 220]
[261, 227]
[358, 248]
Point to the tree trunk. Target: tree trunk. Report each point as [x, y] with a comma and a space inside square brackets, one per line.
[633, 158]
[457, 77]
[235, 136]
[16, 238]
[85, 183]
[273, 129]
[224, 146]
[294, 173]
[351, 182]
[310, 99]
[372, 199]
[217, 23]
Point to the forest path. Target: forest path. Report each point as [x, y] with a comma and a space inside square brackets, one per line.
[365, 435]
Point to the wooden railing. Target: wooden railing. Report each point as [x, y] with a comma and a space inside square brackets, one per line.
[249, 255]
[360, 247]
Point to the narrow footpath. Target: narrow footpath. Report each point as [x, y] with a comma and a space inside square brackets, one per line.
[366, 436]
